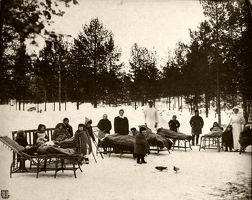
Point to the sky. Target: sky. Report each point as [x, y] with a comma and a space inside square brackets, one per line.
[158, 24]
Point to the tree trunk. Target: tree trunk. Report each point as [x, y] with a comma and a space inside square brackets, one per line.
[23, 105]
[59, 87]
[206, 105]
[45, 101]
[169, 102]
[66, 96]
[19, 104]
[78, 105]
[135, 105]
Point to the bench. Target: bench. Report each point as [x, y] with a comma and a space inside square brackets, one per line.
[43, 162]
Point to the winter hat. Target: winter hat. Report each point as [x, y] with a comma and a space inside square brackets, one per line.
[81, 125]
[88, 121]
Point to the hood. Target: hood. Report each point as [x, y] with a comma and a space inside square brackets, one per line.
[87, 121]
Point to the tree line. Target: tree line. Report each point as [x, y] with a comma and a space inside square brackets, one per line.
[214, 69]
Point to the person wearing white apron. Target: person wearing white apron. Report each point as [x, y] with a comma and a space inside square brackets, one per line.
[151, 116]
[237, 121]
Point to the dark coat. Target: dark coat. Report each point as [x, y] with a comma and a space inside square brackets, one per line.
[81, 140]
[227, 139]
[104, 125]
[121, 125]
[141, 146]
[174, 125]
[90, 132]
[69, 129]
[197, 124]
[22, 142]
[60, 134]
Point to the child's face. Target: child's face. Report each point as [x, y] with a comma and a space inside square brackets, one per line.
[42, 128]
[228, 129]
[60, 127]
[174, 118]
[81, 128]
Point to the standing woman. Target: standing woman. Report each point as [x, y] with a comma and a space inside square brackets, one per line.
[237, 121]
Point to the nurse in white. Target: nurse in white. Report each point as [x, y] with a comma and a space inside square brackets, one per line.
[151, 116]
[237, 121]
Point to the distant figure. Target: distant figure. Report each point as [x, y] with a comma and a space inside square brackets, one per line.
[141, 147]
[197, 124]
[227, 138]
[151, 116]
[216, 127]
[237, 121]
[121, 124]
[174, 123]
[104, 124]
[134, 131]
[67, 126]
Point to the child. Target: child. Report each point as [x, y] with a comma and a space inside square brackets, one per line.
[86, 147]
[227, 138]
[174, 123]
[141, 147]
[41, 136]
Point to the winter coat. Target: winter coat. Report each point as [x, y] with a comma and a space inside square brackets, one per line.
[227, 138]
[89, 129]
[174, 125]
[20, 139]
[197, 124]
[69, 129]
[104, 125]
[121, 125]
[60, 134]
[141, 145]
[82, 141]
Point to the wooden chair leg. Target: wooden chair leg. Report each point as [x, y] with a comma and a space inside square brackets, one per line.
[56, 167]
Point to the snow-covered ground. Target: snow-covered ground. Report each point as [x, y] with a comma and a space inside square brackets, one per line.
[207, 174]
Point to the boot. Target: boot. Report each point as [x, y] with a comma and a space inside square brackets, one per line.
[139, 160]
[86, 160]
[143, 161]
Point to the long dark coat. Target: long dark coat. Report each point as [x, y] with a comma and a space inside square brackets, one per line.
[141, 145]
[104, 125]
[197, 124]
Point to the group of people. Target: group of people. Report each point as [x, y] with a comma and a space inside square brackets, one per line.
[230, 135]
[63, 137]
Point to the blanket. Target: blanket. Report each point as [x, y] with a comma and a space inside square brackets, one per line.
[214, 134]
[158, 140]
[118, 142]
[173, 135]
[246, 138]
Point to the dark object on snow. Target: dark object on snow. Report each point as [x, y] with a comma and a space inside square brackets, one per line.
[175, 169]
[31, 109]
[160, 168]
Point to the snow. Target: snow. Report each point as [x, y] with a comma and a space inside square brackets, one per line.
[207, 174]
